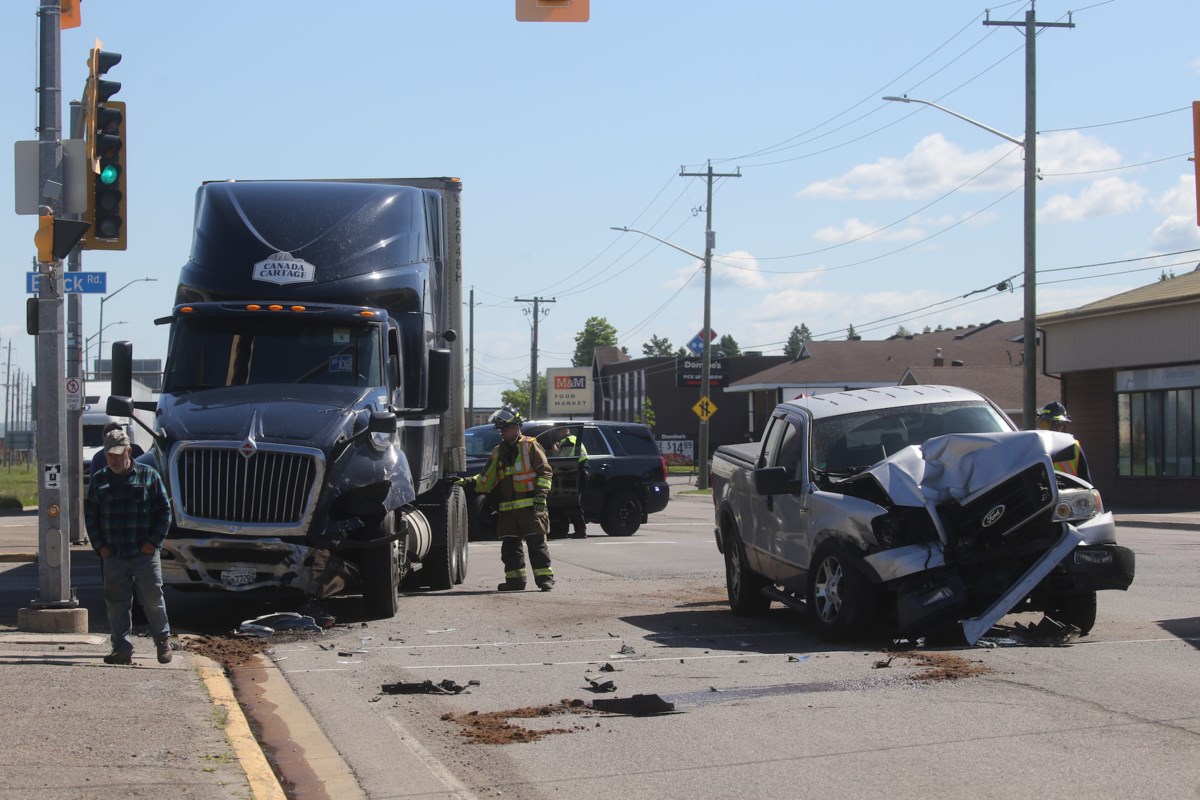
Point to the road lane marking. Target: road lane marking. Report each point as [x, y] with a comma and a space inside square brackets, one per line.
[435, 767]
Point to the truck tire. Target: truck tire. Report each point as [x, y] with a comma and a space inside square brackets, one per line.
[481, 517]
[622, 514]
[380, 571]
[839, 596]
[743, 585]
[445, 560]
[1074, 609]
[460, 542]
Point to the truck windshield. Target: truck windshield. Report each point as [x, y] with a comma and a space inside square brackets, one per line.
[209, 352]
[852, 441]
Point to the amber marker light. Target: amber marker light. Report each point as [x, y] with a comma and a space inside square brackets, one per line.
[274, 307]
[186, 310]
[299, 308]
[254, 307]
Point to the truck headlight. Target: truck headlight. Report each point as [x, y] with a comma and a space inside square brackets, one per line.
[1078, 504]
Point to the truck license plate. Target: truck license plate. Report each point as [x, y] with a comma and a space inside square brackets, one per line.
[238, 575]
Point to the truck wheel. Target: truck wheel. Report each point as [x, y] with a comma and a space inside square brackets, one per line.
[460, 541]
[622, 514]
[839, 596]
[743, 585]
[481, 519]
[449, 523]
[380, 570]
[1074, 609]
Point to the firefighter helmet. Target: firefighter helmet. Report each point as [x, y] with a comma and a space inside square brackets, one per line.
[505, 417]
[1054, 412]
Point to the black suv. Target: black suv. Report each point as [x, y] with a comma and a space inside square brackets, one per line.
[627, 475]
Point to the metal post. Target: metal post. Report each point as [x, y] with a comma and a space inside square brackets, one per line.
[54, 504]
[471, 365]
[74, 465]
[1029, 349]
[706, 334]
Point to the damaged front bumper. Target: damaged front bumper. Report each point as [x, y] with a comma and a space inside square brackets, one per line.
[233, 565]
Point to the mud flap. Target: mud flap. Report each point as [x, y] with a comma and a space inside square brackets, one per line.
[973, 629]
[325, 574]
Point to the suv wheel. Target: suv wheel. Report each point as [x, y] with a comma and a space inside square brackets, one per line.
[622, 514]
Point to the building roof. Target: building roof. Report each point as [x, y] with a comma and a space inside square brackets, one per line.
[1180, 289]
[996, 330]
[1004, 385]
[858, 364]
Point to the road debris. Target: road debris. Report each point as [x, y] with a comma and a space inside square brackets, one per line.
[626, 650]
[639, 705]
[495, 727]
[280, 622]
[1047, 632]
[598, 685]
[883, 663]
[797, 658]
[608, 668]
[423, 687]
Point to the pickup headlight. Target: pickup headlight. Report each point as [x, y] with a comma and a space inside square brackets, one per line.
[1076, 504]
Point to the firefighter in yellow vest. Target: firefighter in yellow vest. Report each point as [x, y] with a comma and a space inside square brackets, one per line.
[1053, 417]
[519, 470]
[568, 445]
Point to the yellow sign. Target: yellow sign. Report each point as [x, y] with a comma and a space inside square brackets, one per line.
[704, 408]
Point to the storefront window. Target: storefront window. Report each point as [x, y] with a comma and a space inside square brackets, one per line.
[1158, 434]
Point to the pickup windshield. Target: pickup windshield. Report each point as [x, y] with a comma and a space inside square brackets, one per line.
[213, 351]
[855, 441]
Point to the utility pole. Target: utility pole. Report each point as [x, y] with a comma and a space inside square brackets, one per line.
[1029, 335]
[74, 466]
[55, 609]
[533, 370]
[471, 360]
[706, 335]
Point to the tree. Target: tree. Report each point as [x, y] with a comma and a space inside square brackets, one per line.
[850, 332]
[657, 347]
[799, 335]
[728, 346]
[646, 415]
[683, 352]
[596, 333]
[518, 396]
[901, 332]
[1166, 274]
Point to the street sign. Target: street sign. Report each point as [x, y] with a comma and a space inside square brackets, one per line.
[696, 343]
[73, 282]
[704, 408]
[74, 387]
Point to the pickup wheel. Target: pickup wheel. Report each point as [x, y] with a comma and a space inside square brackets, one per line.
[839, 596]
[380, 573]
[622, 514]
[743, 585]
[1074, 609]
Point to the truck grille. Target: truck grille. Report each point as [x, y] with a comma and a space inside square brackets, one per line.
[271, 487]
[1009, 506]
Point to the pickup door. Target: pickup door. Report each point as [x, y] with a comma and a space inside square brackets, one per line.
[780, 539]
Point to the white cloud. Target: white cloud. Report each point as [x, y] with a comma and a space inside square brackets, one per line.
[1179, 199]
[1102, 198]
[1179, 231]
[936, 165]
[854, 229]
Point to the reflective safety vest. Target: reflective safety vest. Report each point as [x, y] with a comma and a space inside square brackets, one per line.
[569, 445]
[1071, 465]
[521, 471]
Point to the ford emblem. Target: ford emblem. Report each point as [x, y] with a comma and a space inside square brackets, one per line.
[993, 516]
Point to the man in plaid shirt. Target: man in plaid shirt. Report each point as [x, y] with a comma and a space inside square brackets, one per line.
[127, 515]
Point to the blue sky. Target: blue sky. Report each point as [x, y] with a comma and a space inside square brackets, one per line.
[849, 210]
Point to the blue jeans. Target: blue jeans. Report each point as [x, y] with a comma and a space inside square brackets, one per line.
[123, 576]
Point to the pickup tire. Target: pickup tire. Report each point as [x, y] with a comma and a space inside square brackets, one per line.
[839, 596]
[1074, 609]
[744, 585]
[622, 514]
[380, 572]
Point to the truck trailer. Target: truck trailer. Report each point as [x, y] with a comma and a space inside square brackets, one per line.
[311, 410]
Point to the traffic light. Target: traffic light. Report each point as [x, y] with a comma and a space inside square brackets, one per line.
[104, 133]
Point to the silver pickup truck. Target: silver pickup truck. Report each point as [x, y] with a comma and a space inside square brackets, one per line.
[907, 510]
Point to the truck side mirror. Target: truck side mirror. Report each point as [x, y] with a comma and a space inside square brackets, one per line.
[382, 422]
[119, 406]
[122, 369]
[437, 396]
[773, 480]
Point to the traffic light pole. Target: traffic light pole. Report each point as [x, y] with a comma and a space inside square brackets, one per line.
[55, 609]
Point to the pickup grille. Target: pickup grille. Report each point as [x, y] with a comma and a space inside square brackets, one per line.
[271, 487]
[1024, 498]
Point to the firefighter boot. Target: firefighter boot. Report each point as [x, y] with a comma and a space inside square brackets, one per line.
[511, 585]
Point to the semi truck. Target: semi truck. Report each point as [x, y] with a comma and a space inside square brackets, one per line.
[311, 409]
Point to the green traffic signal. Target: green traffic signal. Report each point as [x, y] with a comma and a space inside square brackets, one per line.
[109, 174]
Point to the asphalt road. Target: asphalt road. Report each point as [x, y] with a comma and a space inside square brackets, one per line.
[763, 709]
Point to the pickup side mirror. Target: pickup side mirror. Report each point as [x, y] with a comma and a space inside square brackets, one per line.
[774, 480]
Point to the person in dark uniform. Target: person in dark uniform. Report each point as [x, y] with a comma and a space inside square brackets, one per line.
[567, 444]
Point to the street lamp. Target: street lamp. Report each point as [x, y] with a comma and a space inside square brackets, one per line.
[103, 298]
[88, 341]
[706, 370]
[1029, 334]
